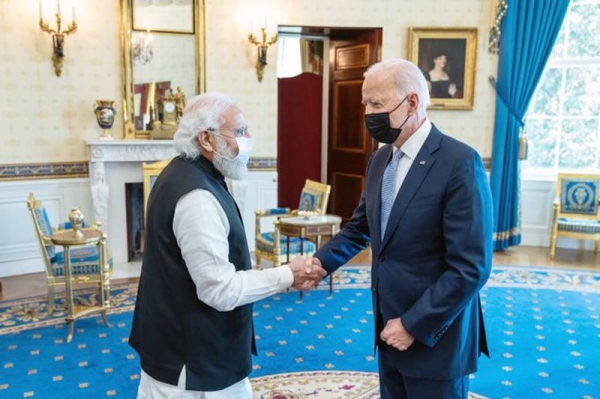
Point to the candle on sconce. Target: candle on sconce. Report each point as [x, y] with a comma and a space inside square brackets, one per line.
[40, 9]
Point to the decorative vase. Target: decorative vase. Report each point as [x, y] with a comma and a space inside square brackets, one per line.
[105, 115]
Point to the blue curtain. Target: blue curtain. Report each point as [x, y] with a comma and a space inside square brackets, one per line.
[529, 30]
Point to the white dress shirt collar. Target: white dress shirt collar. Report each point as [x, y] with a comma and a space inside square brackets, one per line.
[413, 145]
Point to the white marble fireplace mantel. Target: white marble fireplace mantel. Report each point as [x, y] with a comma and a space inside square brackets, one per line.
[112, 164]
[130, 150]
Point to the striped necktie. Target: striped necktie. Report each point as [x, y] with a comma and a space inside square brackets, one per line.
[388, 189]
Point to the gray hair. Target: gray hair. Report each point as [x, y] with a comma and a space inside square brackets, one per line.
[407, 77]
[203, 112]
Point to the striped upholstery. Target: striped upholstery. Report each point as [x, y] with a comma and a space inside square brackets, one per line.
[579, 226]
[265, 244]
[84, 260]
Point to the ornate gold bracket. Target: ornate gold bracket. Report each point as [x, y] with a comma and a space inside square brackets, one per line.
[262, 47]
[494, 40]
[58, 37]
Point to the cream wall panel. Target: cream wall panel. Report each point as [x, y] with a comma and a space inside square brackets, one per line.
[46, 118]
[259, 191]
[537, 197]
[230, 59]
[19, 250]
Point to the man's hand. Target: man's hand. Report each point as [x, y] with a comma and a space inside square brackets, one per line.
[395, 335]
[308, 273]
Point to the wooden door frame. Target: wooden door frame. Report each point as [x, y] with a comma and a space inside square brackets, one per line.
[330, 33]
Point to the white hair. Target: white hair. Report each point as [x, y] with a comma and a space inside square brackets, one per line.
[203, 112]
[407, 77]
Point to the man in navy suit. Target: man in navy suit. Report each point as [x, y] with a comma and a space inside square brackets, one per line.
[426, 210]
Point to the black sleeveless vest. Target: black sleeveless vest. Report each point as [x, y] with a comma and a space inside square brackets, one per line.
[171, 327]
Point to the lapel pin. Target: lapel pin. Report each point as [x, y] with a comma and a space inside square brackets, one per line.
[422, 163]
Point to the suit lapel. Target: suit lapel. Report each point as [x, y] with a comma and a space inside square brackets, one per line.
[416, 174]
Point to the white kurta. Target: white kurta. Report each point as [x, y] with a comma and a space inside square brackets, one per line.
[201, 228]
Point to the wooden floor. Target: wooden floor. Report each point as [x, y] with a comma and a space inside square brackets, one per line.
[35, 284]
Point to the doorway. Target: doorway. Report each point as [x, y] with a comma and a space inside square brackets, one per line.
[321, 133]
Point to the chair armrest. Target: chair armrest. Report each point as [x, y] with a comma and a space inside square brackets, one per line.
[272, 212]
[556, 206]
[555, 209]
[47, 241]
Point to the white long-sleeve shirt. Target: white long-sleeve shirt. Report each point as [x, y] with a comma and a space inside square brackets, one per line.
[201, 228]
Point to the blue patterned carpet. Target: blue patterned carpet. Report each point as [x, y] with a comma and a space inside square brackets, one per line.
[543, 327]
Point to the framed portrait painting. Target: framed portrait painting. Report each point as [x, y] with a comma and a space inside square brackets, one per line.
[446, 56]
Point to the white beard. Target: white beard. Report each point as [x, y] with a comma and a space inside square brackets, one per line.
[225, 162]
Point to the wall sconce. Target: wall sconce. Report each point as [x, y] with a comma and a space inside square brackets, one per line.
[262, 47]
[58, 36]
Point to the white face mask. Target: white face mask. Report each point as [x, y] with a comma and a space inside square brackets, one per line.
[230, 165]
[245, 149]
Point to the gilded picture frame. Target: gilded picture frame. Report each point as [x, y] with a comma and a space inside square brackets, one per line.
[447, 58]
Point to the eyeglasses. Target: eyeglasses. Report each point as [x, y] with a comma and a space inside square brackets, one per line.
[237, 133]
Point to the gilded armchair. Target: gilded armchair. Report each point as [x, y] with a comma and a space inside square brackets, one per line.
[576, 209]
[151, 172]
[85, 260]
[271, 245]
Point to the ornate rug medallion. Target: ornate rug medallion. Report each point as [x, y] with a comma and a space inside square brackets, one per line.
[321, 385]
[317, 384]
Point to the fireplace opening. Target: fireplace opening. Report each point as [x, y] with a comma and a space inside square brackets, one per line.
[134, 205]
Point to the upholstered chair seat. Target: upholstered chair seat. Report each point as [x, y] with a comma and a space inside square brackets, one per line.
[313, 201]
[579, 226]
[265, 244]
[84, 260]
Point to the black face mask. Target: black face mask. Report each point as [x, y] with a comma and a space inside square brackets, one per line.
[378, 126]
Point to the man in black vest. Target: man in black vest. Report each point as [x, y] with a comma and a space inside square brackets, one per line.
[192, 325]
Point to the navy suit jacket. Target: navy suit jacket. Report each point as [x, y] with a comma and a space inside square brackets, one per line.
[434, 258]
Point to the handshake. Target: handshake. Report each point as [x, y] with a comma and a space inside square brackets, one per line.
[308, 272]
